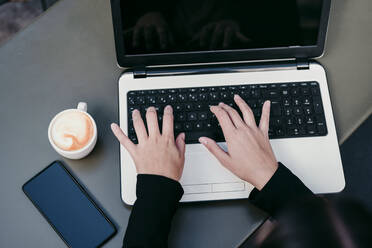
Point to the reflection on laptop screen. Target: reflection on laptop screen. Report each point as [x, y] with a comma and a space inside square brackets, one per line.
[168, 26]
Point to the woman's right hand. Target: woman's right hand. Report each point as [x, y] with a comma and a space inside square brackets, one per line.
[249, 155]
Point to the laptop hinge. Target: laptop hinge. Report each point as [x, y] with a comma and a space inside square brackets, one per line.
[139, 72]
[158, 71]
[302, 64]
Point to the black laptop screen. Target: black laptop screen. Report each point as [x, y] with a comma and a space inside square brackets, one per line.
[171, 26]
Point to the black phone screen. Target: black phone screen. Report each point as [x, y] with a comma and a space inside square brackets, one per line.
[68, 208]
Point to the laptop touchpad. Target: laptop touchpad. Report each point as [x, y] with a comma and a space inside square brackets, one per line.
[201, 167]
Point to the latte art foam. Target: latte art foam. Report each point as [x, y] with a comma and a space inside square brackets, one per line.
[72, 131]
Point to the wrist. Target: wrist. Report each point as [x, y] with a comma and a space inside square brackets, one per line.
[264, 177]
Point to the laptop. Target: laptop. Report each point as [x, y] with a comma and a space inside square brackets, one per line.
[192, 54]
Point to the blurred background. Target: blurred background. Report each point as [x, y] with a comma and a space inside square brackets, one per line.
[17, 14]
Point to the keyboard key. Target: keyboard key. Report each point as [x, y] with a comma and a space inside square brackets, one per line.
[193, 97]
[311, 129]
[305, 91]
[295, 131]
[275, 109]
[318, 108]
[180, 117]
[256, 112]
[299, 120]
[272, 93]
[280, 131]
[296, 102]
[286, 102]
[203, 97]
[192, 116]
[207, 124]
[131, 108]
[163, 99]
[202, 116]
[270, 132]
[289, 121]
[172, 91]
[189, 106]
[276, 121]
[321, 128]
[213, 96]
[177, 126]
[151, 99]
[252, 104]
[172, 98]
[140, 100]
[188, 126]
[198, 126]
[225, 95]
[309, 120]
[297, 111]
[182, 97]
[200, 106]
[315, 91]
[131, 100]
[255, 93]
[244, 93]
[178, 107]
[284, 92]
[308, 110]
[287, 111]
[306, 101]
[294, 91]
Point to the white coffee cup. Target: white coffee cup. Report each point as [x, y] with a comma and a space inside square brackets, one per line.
[84, 151]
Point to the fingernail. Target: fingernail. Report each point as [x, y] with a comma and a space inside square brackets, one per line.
[168, 109]
[237, 96]
[135, 113]
[183, 136]
[151, 109]
[114, 126]
[268, 102]
[221, 104]
[203, 141]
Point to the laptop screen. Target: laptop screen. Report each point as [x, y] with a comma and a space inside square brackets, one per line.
[184, 26]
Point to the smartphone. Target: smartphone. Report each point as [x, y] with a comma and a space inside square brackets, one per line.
[68, 208]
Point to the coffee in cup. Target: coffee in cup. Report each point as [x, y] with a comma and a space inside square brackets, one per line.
[73, 132]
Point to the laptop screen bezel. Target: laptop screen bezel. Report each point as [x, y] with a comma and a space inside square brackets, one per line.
[201, 57]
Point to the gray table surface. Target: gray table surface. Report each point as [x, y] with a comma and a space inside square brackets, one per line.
[68, 56]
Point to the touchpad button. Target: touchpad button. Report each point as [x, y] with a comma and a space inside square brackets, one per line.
[228, 187]
[198, 188]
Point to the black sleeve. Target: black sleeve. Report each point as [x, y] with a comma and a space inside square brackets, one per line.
[283, 188]
[157, 201]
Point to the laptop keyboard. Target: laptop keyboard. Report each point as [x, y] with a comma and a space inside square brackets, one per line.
[296, 108]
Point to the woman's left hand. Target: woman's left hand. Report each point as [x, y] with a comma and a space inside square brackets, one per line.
[156, 153]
